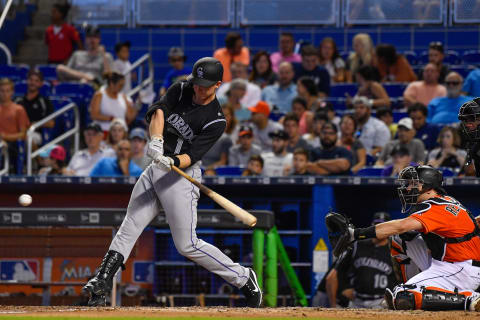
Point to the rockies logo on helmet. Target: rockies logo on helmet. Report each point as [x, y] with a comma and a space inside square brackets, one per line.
[200, 72]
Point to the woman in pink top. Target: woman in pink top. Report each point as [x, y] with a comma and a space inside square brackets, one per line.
[299, 108]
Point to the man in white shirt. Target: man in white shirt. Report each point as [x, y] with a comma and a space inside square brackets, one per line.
[253, 94]
[373, 133]
[263, 125]
[84, 160]
[277, 162]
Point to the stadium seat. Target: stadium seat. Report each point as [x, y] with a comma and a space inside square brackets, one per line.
[452, 57]
[463, 70]
[15, 72]
[344, 55]
[49, 71]
[370, 172]
[229, 171]
[471, 56]
[276, 115]
[340, 89]
[447, 172]
[411, 57]
[370, 160]
[395, 89]
[80, 93]
[62, 123]
[21, 89]
[423, 58]
[338, 103]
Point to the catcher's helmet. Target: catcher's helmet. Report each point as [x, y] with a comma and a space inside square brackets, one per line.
[206, 72]
[469, 113]
[410, 179]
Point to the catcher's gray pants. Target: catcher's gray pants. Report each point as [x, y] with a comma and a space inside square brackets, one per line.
[178, 197]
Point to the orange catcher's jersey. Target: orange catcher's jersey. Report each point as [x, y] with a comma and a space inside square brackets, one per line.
[444, 218]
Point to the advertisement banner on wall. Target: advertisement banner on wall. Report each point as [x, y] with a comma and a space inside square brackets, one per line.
[19, 270]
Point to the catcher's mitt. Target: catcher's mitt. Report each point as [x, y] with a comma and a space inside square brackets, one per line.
[340, 232]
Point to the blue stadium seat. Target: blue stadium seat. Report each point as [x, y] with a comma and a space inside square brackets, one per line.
[423, 58]
[395, 89]
[447, 172]
[463, 70]
[15, 72]
[411, 57]
[338, 103]
[344, 55]
[21, 89]
[471, 56]
[370, 160]
[276, 115]
[370, 172]
[80, 93]
[49, 71]
[452, 57]
[22, 156]
[62, 123]
[229, 171]
[340, 89]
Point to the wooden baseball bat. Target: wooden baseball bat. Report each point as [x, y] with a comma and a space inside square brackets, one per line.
[232, 208]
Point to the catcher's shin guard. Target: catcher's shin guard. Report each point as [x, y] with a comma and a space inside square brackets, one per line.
[99, 286]
[434, 300]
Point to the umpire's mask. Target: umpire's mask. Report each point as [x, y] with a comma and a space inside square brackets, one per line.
[408, 188]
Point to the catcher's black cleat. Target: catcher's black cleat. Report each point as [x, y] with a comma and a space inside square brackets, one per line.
[252, 292]
[101, 284]
[389, 299]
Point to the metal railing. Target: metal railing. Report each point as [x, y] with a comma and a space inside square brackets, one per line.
[8, 54]
[75, 131]
[6, 159]
[5, 11]
[142, 83]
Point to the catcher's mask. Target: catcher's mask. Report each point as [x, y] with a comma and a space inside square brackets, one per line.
[411, 178]
[469, 115]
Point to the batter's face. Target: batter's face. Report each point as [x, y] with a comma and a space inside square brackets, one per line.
[204, 94]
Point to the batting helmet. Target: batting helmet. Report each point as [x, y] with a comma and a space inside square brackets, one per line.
[469, 113]
[206, 72]
[410, 179]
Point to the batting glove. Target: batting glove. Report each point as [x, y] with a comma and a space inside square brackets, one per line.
[164, 163]
[155, 148]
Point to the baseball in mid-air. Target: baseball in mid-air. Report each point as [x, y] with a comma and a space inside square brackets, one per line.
[25, 200]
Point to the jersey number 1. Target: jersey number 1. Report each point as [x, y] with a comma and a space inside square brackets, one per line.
[179, 146]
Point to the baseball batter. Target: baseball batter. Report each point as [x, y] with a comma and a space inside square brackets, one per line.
[183, 125]
[451, 234]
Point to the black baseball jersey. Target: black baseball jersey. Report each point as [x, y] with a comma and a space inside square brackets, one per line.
[474, 153]
[189, 128]
[369, 268]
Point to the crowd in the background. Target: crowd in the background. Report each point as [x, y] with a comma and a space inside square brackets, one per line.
[280, 119]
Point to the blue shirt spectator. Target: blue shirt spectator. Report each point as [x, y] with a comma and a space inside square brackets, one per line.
[425, 131]
[108, 167]
[309, 68]
[445, 109]
[280, 96]
[179, 72]
[471, 85]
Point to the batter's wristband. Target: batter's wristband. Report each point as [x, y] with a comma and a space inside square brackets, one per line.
[364, 233]
[176, 161]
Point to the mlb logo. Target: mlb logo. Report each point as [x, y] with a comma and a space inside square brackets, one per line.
[19, 270]
[143, 271]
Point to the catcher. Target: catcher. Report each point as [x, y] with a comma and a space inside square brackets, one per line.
[450, 233]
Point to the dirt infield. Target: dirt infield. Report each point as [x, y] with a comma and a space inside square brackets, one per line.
[15, 312]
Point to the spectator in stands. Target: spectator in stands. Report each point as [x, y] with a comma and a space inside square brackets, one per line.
[179, 71]
[331, 60]
[233, 99]
[300, 162]
[57, 164]
[425, 90]
[84, 160]
[138, 141]
[309, 67]
[436, 56]
[279, 160]
[120, 166]
[14, 121]
[449, 154]
[348, 128]
[109, 102]
[291, 127]
[117, 131]
[121, 65]
[60, 37]
[385, 114]
[217, 155]
[262, 74]
[254, 166]
[253, 93]
[234, 51]
[374, 134]
[426, 132]
[369, 87]
[406, 137]
[307, 89]
[42, 161]
[471, 85]
[331, 113]
[286, 53]
[363, 55]
[305, 117]
[36, 105]
[313, 138]
[393, 67]
[280, 95]
[330, 159]
[400, 160]
[232, 128]
[263, 126]
[239, 153]
[90, 65]
[445, 109]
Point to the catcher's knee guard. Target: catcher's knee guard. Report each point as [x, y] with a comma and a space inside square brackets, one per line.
[99, 286]
[404, 300]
